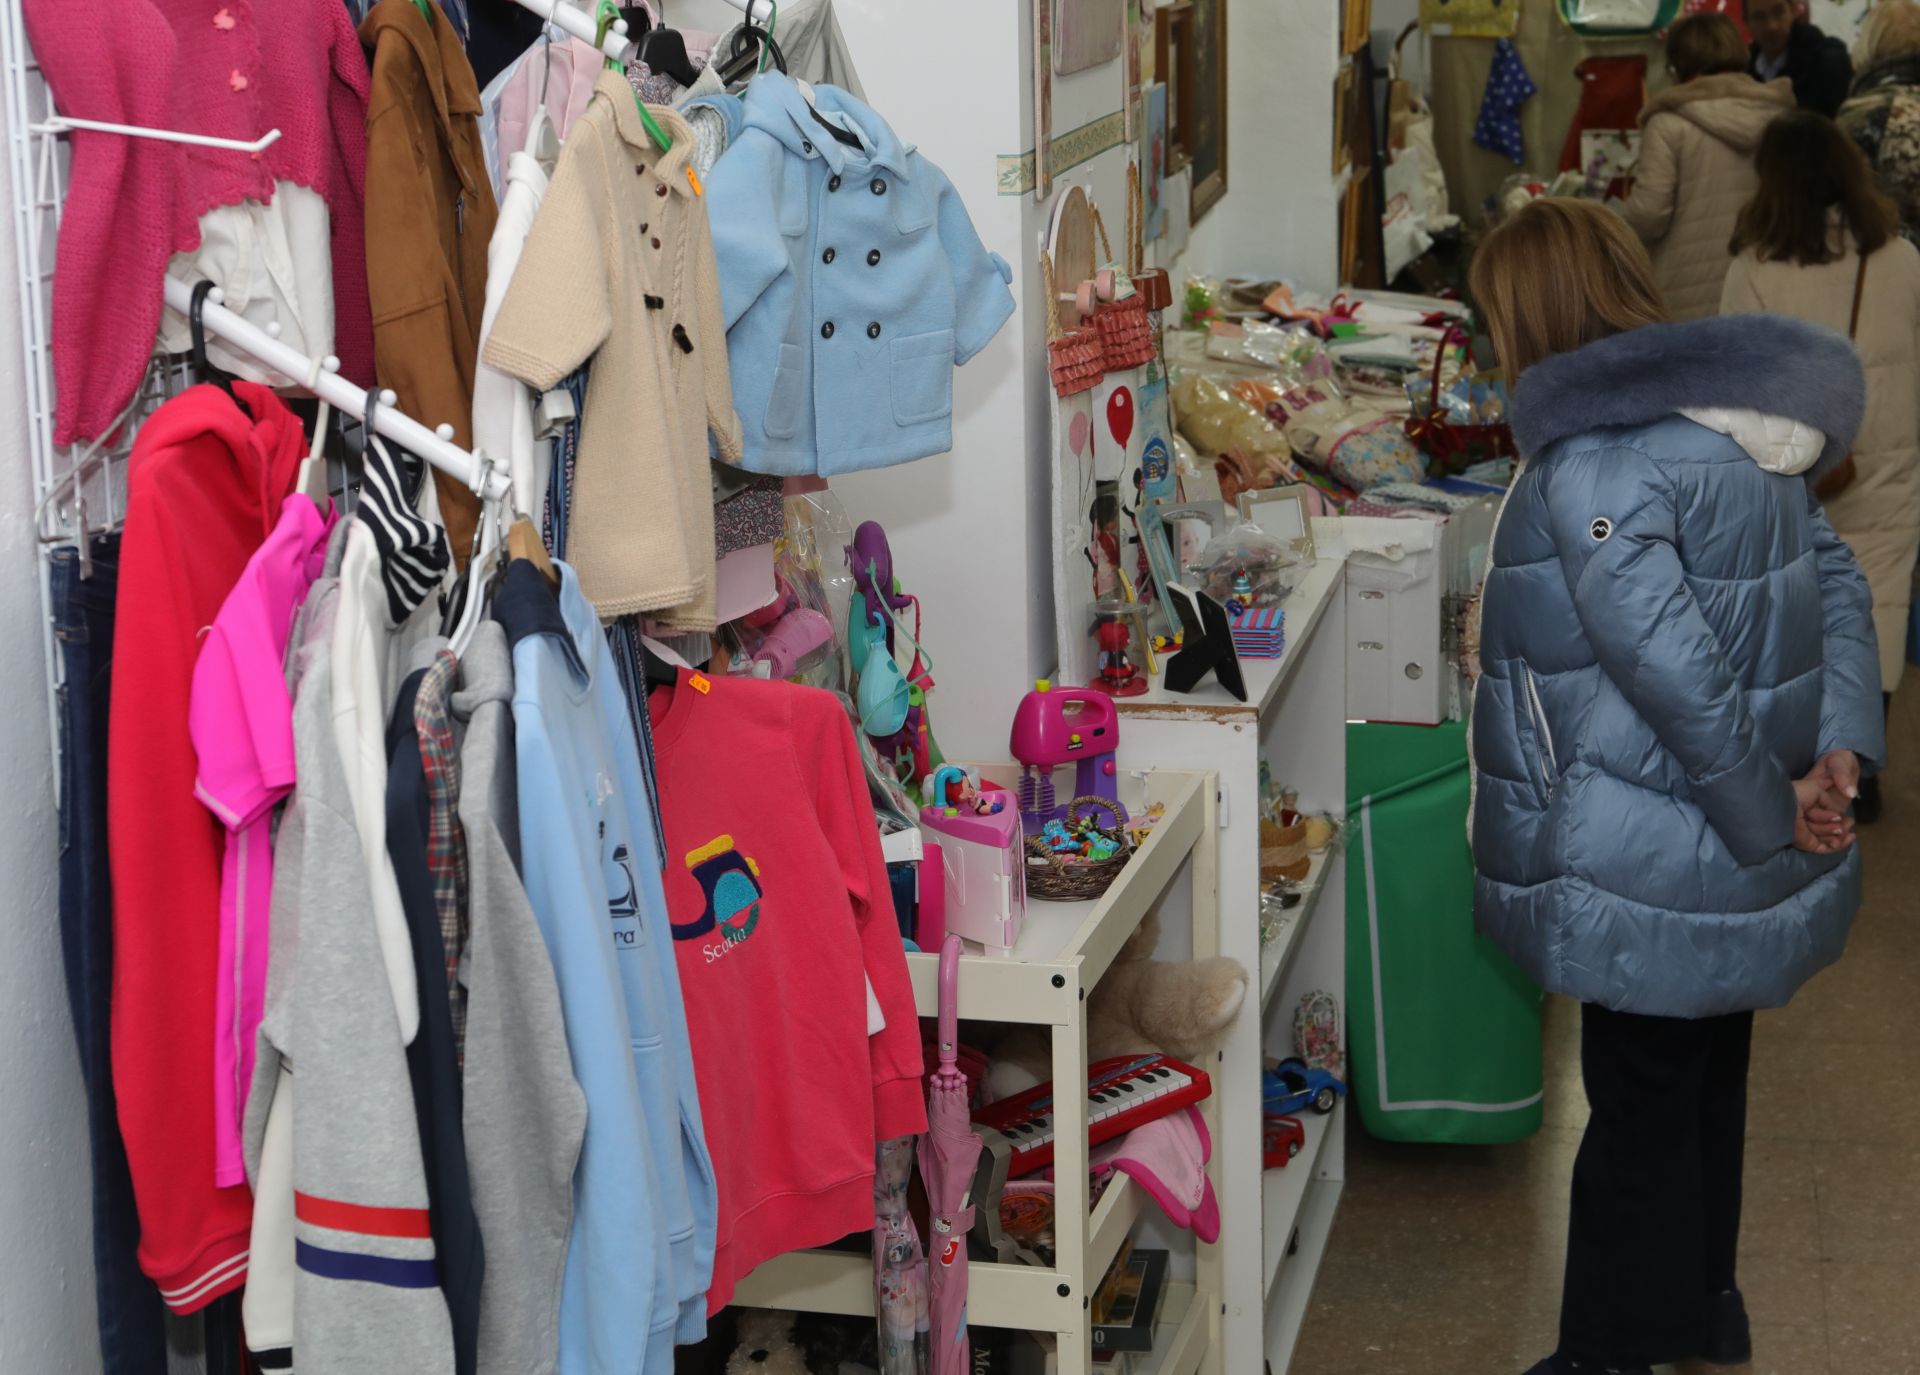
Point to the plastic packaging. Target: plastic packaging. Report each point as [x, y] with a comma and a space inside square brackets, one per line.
[1243, 566]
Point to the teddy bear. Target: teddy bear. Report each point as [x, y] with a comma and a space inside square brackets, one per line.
[1141, 1006]
[766, 1345]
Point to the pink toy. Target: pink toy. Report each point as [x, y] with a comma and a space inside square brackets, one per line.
[1056, 726]
[984, 871]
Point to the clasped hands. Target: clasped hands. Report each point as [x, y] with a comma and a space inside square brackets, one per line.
[1823, 796]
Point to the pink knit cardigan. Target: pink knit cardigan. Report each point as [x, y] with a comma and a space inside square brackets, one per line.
[231, 68]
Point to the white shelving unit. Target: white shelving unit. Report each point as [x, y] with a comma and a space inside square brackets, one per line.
[1295, 719]
[1064, 949]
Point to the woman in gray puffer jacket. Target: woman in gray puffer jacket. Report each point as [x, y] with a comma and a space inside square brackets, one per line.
[1679, 687]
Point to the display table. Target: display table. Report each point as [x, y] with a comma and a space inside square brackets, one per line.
[1443, 1030]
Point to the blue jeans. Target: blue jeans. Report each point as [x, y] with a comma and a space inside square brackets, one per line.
[132, 1324]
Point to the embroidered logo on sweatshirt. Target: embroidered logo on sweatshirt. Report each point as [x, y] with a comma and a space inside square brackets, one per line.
[730, 885]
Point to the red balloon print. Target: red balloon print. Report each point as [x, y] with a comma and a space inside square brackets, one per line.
[1120, 415]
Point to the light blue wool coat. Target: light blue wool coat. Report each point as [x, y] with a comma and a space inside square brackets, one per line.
[853, 284]
[1671, 634]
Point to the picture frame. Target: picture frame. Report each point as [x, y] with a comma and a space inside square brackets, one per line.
[1207, 92]
[1172, 66]
[1282, 512]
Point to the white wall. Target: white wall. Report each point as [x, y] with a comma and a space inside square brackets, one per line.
[46, 1266]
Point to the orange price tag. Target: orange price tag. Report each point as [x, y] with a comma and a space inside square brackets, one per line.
[700, 683]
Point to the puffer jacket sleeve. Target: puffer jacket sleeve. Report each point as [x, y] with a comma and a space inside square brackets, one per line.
[1656, 179]
[1613, 513]
[1850, 712]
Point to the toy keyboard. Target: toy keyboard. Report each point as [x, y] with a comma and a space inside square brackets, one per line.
[1122, 1093]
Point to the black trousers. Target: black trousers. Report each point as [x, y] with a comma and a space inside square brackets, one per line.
[1655, 1223]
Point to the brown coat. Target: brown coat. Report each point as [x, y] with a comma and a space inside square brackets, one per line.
[1694, 175]
[1878, 514]
[430, 214]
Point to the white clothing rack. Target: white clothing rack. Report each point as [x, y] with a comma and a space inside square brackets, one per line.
[578, 22]
[435, 446]
[582, 26]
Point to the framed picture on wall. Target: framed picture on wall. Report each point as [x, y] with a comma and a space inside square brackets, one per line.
[1207, 137]
[1173, 65]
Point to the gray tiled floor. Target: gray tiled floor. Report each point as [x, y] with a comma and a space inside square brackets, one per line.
[1446, 1260]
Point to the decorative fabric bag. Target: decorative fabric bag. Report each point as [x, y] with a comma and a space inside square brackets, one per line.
[1126, 335]
[1075, 357]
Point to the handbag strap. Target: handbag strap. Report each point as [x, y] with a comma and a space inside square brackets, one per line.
[1859, 287]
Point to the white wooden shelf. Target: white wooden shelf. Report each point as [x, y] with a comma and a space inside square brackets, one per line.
[1180, 1337]
[1282, 1190]
[1065, 947]
[1306, 608]
[1063, 950]
[1292, 729]
[1276, 955]
[1287, 1308]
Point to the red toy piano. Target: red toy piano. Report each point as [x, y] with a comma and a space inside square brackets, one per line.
[1122, 1093]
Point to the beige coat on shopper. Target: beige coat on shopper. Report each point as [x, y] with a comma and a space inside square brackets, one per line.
[1694, 175]
[1878, 514]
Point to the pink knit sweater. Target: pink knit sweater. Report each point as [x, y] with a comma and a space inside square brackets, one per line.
[231, 68]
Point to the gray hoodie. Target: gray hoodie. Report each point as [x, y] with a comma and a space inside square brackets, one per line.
[523, 1111]
[364, 1287]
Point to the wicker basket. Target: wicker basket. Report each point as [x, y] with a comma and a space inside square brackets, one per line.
[1053, 878]
[1283, 850]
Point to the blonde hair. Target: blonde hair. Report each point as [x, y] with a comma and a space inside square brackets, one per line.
[1705, 45]
[1558, 274]
[1892, 29]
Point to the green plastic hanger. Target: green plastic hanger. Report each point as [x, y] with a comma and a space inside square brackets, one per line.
[426, 10]
[604, 16]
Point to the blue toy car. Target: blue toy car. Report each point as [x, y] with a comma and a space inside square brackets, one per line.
[1291, 1085]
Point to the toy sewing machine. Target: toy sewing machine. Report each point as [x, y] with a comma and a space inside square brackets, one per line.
[1122, 1093]
[1055, 726]
[983, 864]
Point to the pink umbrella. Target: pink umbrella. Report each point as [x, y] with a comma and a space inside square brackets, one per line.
[948, 1153]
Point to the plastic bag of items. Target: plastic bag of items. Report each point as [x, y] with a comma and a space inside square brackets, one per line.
[1243, 567]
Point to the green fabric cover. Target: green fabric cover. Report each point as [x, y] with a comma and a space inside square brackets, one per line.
[1461, 1024]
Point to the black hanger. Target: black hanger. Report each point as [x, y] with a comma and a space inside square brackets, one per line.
[665, 51]
[659, 673]
[746, 52]
[638, 20]
[202, 365]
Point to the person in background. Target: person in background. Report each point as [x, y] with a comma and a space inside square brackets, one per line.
[1696, 160]
[1678, 689]
[1785, 44]
[1820, 242]
[1883, 113]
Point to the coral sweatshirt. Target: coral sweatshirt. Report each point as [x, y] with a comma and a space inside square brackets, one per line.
[780, 903]
[204, 488]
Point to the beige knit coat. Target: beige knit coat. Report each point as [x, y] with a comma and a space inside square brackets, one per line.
[1694, 175]
[619, 268]
[1878, 514]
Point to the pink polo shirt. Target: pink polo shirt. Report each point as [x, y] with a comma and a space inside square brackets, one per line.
[241, 720]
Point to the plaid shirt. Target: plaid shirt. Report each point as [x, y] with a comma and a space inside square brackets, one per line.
[446, 840]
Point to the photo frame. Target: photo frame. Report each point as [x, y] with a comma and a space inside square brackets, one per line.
[1206, 645]
[1207, 90]
[1284, 513]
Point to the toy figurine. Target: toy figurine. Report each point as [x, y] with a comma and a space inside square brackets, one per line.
[1242, 596]
[1119, 675]
[1058, 838]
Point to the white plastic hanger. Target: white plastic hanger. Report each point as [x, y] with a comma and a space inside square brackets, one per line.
[312, 482]
[480, 568]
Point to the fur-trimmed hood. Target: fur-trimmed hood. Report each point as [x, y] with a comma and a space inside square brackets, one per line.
[1763, 363]
[1730, 106]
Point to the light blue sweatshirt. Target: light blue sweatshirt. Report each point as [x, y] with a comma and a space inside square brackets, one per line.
[641, 1254]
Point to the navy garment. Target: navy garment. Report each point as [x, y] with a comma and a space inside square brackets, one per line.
[433, 1060]
[1671, 634]
[133, 1336]
[1654, 1225]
